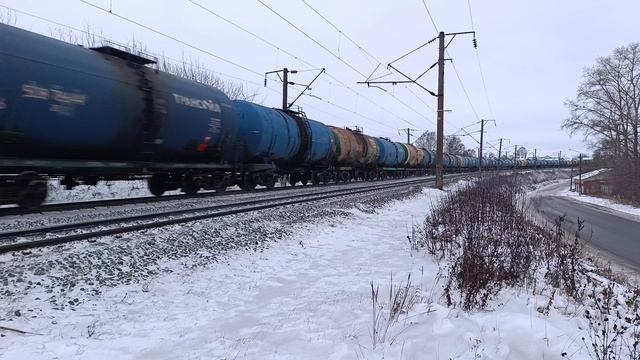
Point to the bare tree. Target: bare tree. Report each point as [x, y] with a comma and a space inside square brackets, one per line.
[454, 146]
[186, 67]
[8, 17]
[427, 140]
[196, 71]
[606, 111]
[470, 152]
[607, 105]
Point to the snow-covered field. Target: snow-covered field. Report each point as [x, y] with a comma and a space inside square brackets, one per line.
[306, 296]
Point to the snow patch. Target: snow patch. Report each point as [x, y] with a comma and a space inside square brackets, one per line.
[306, 297]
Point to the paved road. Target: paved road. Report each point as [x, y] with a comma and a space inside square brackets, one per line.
[607, 231]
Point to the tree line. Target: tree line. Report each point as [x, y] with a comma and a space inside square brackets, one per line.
[454, 146]
[607, 104]
[606, 110]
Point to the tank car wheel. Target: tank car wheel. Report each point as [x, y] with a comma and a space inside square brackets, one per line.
[189, 185]
[315, 179]
[220, 188]
[34, 190]
[247, 183]
[156, 185]
[269, 181]
[326, 178]
[293, 179]
[304, 181]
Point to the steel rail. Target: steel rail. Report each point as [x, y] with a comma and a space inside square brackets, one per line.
[247, 206]
[78, 205]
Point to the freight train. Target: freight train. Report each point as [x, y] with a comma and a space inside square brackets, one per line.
[90, 114]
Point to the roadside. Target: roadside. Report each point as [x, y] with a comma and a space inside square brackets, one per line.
[576, 206]
[604, 204]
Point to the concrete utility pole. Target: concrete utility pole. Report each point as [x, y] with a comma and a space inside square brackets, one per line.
[535, 158]
[285, 85]
[440, 95]
[440, 115]
[571, 179]
[481, 141]
[515, 157]
[285, 88]
[500, 150]
[580, 176]
[408, 131]
[482, 122]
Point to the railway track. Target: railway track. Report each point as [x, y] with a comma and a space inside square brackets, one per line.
[59, 234]
[15, 210]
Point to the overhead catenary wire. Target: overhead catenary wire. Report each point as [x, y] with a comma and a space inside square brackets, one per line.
[455, 69]
[366, 52]
[338, 81]
[172, 38]
[310, 38]
[344, 62]
[104, 38]
[361, 48]
[477, 52]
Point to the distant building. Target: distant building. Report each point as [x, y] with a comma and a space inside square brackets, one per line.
[595, 184]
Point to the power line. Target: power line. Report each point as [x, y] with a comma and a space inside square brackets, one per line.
[454, 66]
[172, 38]
[466, 94]
[347, 64]
[484, 83]
[470, 15]
[103, 38]
[363, 50]
[338, 81]
[310, 38]
[430, 17]
[248, 32]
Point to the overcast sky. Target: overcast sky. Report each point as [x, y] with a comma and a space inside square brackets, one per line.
[532, 54]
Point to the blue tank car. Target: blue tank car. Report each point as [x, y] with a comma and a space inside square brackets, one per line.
[90, 114]
[58, 98]
[432, 158]
[388, 153]
[403, 154]
[321, 143]
[266, 134]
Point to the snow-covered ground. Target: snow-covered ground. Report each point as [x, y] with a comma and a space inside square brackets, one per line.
[306, 296]
[103, 190]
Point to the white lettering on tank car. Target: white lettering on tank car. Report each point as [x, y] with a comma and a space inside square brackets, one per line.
[67, 97]
[203, 104]
[215, 125]
[34, 91]
[63, 102]
[3, 103]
